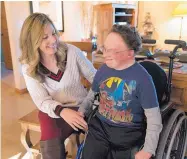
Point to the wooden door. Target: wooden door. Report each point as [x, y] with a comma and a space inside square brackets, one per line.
[5, 39]
[103, 17]
[107, 20]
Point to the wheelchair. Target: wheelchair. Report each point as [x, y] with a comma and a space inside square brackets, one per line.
[173, 138]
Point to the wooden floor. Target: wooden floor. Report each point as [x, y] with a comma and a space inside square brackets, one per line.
[13, 106]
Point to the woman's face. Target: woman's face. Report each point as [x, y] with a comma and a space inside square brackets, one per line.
[49, 41]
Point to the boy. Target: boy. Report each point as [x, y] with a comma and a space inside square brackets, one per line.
[127, 96]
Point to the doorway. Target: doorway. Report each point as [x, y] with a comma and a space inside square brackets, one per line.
[6, 52]
[7, 76]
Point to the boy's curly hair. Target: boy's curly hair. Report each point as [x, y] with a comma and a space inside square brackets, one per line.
[130, 36]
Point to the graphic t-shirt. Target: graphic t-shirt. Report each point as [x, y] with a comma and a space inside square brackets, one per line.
[124, 94]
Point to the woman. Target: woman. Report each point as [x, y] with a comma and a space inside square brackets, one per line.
[52, 71]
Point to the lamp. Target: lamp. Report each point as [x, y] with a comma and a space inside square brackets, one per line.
[181, 11]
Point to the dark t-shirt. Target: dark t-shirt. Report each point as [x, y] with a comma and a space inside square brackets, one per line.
[124, 94]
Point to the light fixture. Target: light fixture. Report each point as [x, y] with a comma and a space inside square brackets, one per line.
[180, 11]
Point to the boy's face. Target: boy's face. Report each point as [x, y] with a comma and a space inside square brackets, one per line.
[116, 53]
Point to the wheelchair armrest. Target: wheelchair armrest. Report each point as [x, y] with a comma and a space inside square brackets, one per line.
[165, 108]
[91, 114]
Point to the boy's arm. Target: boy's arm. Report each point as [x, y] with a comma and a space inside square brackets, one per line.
[149, 102]
[154, 127]
[87, 103]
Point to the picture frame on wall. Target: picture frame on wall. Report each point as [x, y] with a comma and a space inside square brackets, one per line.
[54, 9]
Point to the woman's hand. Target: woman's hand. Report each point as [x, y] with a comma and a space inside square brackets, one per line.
[74, 119]
[143, 155]
[81, 114]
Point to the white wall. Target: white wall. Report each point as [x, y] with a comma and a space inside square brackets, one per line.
[17, 12]
[72, 21]
[167, 26]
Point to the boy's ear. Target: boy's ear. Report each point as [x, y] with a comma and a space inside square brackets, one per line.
[131, 53]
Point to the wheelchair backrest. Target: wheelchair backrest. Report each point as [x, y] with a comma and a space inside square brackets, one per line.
[159, 78]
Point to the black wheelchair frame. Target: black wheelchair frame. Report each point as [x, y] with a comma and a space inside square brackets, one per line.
[173, 138]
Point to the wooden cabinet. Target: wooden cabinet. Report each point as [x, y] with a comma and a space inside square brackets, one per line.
[105, 15]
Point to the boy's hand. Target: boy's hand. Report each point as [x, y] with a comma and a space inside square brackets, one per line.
[143, 155]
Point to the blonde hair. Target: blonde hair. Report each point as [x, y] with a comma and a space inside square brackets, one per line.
[30, 40]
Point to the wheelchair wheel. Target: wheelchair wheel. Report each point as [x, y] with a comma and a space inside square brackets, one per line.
[167, 133]
[177, 146]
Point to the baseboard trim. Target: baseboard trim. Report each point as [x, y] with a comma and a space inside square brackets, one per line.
[21, 91]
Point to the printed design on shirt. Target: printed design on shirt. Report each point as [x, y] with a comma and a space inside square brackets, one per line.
[115, 96]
